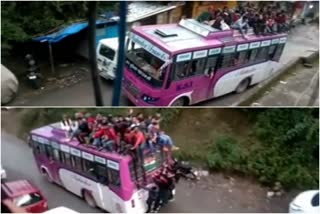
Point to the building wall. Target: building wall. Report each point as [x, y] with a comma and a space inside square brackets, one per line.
[202, 6]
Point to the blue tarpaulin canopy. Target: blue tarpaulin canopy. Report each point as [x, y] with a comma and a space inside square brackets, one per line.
[67, 31]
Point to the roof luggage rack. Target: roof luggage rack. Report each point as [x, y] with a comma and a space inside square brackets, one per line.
[164, 34]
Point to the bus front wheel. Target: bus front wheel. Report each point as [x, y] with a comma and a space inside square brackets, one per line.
[89, 198]
[180, 102]
[243, 85]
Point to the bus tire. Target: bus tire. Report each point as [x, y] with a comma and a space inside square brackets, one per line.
[243, 85]
[46, 174]
[182, 101]
[89, 198]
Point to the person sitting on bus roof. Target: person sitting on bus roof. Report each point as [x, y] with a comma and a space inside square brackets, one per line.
[151, 142]
[67, 125]
[242, 25]
[281, 21]
[107, 143]
[82, 132]
[206, 15]
[97, 135]
[270, 25]
[217, 23]
[112, 135]
[138, 142]
[166, 144]
[91, 120]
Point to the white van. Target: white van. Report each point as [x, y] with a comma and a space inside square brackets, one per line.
[107, 56]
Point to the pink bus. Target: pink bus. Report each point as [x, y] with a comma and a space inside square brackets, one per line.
[189, 62]
[104, 179]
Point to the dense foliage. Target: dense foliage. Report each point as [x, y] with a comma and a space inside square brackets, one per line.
[21, 20]
[287, 151]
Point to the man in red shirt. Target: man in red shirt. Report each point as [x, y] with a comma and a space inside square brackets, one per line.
[137, 140]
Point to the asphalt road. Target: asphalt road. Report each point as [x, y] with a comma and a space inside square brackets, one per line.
[210, 194]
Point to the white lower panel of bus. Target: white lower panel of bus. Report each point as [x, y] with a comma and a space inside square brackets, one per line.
[259, 72]
[104, 197]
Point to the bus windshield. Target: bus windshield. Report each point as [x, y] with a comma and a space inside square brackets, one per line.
[145, 65]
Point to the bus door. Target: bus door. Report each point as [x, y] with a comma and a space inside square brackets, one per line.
[190, 74]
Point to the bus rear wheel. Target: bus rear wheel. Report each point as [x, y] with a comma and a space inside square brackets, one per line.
[180, 102]
[243, 85]
[89, 198]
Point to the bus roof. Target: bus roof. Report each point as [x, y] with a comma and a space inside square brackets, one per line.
[54, 132]
[189, 33]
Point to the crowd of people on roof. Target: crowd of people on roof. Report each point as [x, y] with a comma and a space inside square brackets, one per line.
[269, 19]
[132, 134]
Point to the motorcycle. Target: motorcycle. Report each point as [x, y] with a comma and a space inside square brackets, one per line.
[34, 77]
[183, 169]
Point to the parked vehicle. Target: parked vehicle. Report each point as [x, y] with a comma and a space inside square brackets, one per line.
[107, 55]
[34, 77]
[24, 195]
[9, 85]
[305, 202]
[33, 72]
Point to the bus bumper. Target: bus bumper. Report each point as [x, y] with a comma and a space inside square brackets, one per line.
[135, 101]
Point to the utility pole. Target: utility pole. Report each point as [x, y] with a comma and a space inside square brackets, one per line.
[92, 5]
[121, 54]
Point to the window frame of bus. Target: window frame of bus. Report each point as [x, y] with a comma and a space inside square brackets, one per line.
[263, 47]
[112, 170]
[42, 145]
[279, 47]
[233, 52]
[190, 57]
[65, 156]
[87, 164]
[255, 50]
[245, 51]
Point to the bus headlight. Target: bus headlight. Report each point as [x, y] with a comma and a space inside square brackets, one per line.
[149, 99]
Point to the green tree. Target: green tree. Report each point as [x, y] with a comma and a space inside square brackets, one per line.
[21, 20]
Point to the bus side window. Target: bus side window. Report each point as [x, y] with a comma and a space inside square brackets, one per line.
[114, 177]
[56, 155]
[65, 158]
[36, 146]
[181, 70]
[242, 58]
[263, 54]
[272, 51]
[253, 55]
[48, 151]
[226, 60]
[87, 167]
[211, 65]
[278, 52]
[76, 162]
[101, 173]
[42, 148]
[197, 67]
